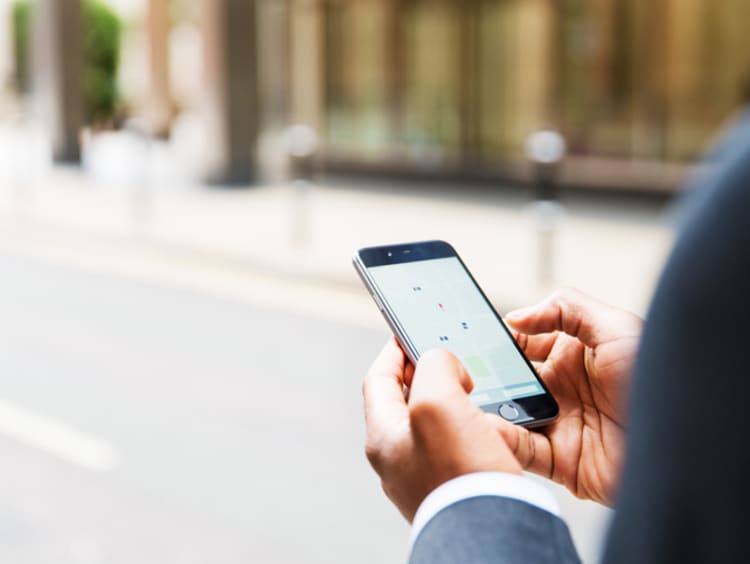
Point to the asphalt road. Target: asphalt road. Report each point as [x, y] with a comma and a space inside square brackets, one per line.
[236, 429]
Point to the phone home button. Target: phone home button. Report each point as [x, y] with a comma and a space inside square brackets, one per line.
[507, 411]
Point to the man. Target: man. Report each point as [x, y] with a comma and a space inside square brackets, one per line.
[653, 424]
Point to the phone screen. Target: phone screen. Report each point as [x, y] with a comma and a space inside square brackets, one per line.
[438, 305]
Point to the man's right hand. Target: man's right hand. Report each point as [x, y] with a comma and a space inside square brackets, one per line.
[584, 351]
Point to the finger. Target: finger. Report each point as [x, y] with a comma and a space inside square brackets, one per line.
[385, 406]
[578, 315]
[535, 347]
[439, 396]
[408, 373]
[439, 374]
[531, 448]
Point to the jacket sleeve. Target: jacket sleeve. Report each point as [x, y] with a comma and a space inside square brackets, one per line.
[492, 529]
[684, 495]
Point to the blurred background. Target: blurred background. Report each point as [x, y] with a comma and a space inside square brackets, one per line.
[182, 185]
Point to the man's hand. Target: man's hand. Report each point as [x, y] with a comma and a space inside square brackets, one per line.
[584, 351]
[438, 434]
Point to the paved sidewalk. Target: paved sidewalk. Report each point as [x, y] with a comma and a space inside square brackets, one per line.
[311, 234]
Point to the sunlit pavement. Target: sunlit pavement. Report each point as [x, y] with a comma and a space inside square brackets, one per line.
[611, 248]
[216, 354]
[237, 428]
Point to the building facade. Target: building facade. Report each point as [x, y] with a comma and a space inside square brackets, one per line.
[637, 87]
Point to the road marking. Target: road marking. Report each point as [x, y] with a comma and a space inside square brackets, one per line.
[56, 438]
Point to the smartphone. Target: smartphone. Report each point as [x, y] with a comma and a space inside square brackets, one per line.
[430, 300]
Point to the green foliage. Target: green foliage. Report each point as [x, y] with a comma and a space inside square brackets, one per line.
[21, 44]
[101, 47]
[102, 30]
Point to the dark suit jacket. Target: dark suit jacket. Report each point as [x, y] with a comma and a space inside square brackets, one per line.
[685, 493]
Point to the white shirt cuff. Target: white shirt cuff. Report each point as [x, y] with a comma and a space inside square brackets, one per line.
[499, 484]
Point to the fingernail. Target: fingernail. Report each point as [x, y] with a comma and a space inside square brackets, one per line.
[519, 313]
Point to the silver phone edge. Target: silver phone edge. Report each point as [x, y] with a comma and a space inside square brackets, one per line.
[389, 317]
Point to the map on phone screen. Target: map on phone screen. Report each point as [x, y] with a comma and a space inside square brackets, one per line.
[439, 306]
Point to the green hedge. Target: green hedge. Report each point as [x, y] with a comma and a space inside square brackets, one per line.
[22, 44]
[101, 47]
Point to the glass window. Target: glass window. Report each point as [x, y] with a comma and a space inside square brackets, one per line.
[432, 78]
[441, 80]
[357, 108]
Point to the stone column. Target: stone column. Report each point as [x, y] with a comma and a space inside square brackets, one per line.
[468, 20]
[537, 62]
[394, 67]
[159, 107]
[273, 40]
[307, 58]
[230, 104]
[57, 74]
[650, 113]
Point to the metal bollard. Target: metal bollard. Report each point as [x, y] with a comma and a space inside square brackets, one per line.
[546, 151]
[28, 155]
[301, 143]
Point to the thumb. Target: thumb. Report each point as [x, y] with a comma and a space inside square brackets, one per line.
[531, 449]
[439, 393]
[581, 316]
[439, 375]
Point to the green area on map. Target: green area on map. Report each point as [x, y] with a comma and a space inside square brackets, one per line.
[476, 367]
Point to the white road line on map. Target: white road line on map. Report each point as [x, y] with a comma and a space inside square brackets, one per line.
[56, 438]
